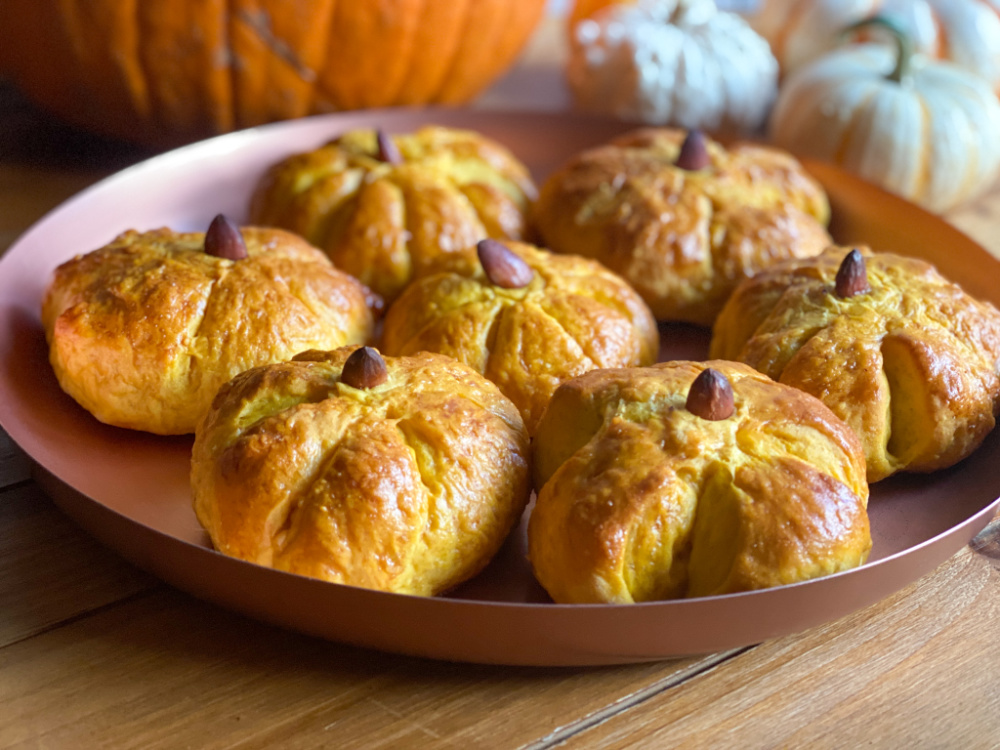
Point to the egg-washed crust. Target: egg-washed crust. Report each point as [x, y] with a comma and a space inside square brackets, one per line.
[911, 365]
[143, 331]
[410, 486]
[383, 222]
[642, 500]
[683, 239]
[574, 316]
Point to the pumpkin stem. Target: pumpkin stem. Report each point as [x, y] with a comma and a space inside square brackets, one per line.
[904, 44]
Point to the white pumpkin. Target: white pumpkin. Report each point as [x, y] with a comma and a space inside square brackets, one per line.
[672, 62]
[930, 136]
[967, 32]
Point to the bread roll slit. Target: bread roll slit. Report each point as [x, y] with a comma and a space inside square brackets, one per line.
[315, 211]
[332, 225]
[196, 326]
[715, 532]
[656, 557]
[915, 418]
[586, 345]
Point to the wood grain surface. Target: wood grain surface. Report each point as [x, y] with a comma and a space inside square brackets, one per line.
[96, 654]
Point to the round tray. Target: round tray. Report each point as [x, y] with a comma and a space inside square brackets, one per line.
[130, 490]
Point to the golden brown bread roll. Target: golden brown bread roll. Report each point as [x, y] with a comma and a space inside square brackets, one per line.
[904, 356]
[568, 315]
[403, 476]
[142, 332]
[683, 236]
[383, 210]
[642, 499]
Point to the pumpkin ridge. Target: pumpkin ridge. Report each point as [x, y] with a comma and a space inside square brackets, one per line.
[274, 44]
[456, 52]
[847, 134]
[316, 88]
[189, 77]
[925, 162]
[228, 52]
[427, 75]
[76, 36]
[280, 86]
[106, 49]
[507, 46]
[942, 44]
[136, 80]
[794, 16]
[404, 48]
[327, 29]
[323, 85]
[222, 113]
[73, 22]
[156, 110]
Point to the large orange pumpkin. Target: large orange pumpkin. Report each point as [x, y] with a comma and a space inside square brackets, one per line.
[166, 71]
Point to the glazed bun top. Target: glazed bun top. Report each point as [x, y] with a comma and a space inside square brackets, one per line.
[525, 318]
[382, 207]
[681, 217]
[143, 331]
[904, 356]
[691, 479]
[401, 474]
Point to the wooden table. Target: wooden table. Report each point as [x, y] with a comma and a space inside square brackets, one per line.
[94, 653]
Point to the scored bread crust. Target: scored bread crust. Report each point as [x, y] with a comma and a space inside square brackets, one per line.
[642, 500]
[911, 365]
[384, 222]
[410, 486]
[143, 331]
[572, 317]
[684, 239]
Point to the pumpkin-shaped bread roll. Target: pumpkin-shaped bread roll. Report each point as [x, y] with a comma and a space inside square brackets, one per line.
[525, 318]
[399, 474]
[143, 331]
[682, 218]
[691, 479]
[905, 357]
[383, 207]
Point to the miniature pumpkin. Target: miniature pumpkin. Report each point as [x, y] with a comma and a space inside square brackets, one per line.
[672, 62]
[172, 70]
[920, 128]
[966, 32]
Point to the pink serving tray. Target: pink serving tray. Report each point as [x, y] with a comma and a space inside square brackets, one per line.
[130, 490]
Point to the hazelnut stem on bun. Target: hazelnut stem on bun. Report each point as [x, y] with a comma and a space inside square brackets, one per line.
[387, 150]
[503, 266]
[852, 276]
[365, 368]
[711, 396]
[225, 240]
[694, 152]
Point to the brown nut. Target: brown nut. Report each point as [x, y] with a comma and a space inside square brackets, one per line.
[503, 266]
[694, 152]
[852, 276]
[711, 396]
[225, 240]
[387, 150]
[365, 368]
